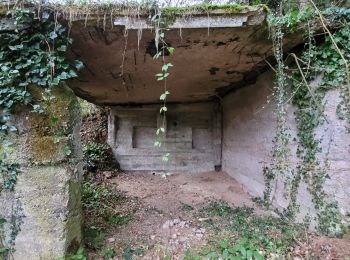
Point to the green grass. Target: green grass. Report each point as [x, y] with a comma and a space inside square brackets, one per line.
[241, 234]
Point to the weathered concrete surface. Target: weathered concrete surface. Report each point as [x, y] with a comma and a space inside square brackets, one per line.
[249, 126]
[44, 210]
[213, 54]
[193, 137]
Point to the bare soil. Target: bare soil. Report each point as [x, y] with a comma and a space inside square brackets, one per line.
[165, 219]
[164, 224]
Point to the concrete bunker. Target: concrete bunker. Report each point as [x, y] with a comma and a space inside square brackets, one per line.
[214, 56]
[218, 116]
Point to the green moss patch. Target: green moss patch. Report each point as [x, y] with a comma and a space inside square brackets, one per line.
[204, 8]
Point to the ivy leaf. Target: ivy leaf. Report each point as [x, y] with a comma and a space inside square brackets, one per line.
[224, 244]
[13, 129]
[67, 150]
[56, 140]
[4, 250]
[62, 48]
[53, 35]
[16, 47]
[45, 15]
[78, 65]
[2, 221]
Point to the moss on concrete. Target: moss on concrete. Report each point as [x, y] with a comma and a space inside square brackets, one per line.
[205, 8]
[50, 130]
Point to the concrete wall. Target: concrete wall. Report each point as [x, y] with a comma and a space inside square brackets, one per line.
[43, 212]
[193, 137]
[249, 127]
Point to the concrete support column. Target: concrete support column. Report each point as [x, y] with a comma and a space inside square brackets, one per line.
[43, 212]
[217, 136]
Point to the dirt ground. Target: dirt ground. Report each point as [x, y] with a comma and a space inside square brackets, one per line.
[164, 225]
[164, 222]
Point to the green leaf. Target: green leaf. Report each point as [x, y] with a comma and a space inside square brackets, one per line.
[16, 47]
[78, 65]
[164, 95]
[67, 150]
[53, 35]
[257, 255]
[223, 244]
[205, 251]
[56, 139]
[171, 50]
[4, 250]
[2, 221]
[249, 254]
[243, 251]
[62, 48]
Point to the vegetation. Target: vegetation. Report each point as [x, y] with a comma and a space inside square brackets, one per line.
[327, 61]
[33, 54]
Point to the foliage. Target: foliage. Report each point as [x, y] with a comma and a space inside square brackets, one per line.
[205, 8]
[323, 62]
[243, 249]
[87, 108]
[129, 253]
[8, 172]
[108, 253]
[31, 54]
[263, 234]
[3, 248]
[96, 151]
[98, 199]
[163, 49]
[102, 211]
[79, 255]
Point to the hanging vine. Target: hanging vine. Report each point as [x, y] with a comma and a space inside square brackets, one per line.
[163, 49]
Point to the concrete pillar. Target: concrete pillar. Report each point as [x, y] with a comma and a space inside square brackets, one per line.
[43, 211]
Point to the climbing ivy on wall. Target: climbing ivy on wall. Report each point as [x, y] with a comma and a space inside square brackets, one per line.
[326, 63]
[32, 53]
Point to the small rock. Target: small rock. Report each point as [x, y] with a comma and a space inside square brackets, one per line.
[199, 235]
[111, 240]
[182, 240]
[182, 224]
[153, 237]
[166, 225]
[174, 236]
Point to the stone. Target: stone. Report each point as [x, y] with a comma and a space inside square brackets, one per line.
[199, 235]
[166, 225]
[111, 240]
[182, 240]
[45, 207]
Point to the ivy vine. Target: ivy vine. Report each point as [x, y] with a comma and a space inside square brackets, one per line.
[316, 61]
